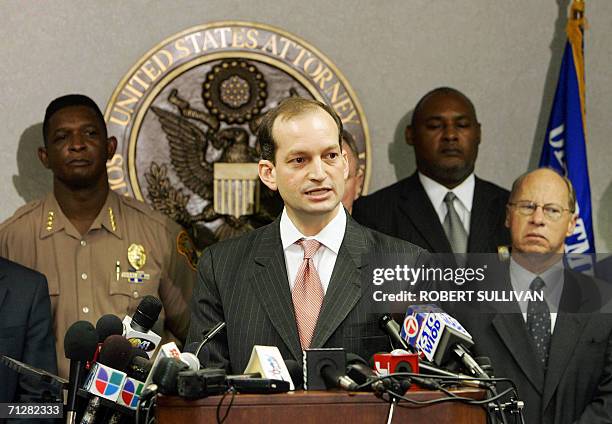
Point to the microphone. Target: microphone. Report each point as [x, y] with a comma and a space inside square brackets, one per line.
[107, 376]
[389, 326]
[107, 325]
[137, 371]
[190, 360]
[166, 373]
[80, 343]
[359, 371]
[138, 327]
[392, 329]
[167, 350]
[207, 337]
[326, 368]
[440, 337]
[204, 353]
[140, 365]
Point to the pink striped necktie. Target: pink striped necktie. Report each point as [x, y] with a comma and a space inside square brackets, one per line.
[307, 293]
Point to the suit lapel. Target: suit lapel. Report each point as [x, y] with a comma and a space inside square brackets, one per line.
[564, 339]
[513, 333]
[344, 288]
[568, 328]
[271, 284]
[418, 208]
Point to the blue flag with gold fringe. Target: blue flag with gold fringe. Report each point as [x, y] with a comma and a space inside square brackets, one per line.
[565, 141]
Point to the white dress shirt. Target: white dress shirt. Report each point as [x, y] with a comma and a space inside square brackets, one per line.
[330, 237]
[553, 277]
[464, 192]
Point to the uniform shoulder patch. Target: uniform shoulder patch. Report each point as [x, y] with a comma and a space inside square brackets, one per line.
[185, 246]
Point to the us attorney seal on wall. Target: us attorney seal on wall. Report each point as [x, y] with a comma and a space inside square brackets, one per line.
[185, 116]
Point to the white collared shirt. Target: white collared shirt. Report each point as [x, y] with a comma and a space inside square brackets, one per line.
[465, 196]
[554, 279]
[330, 237]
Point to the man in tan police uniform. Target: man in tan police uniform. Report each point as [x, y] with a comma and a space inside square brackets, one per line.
[101, 252]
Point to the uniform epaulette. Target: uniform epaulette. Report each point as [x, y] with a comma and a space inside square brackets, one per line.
[22, 211]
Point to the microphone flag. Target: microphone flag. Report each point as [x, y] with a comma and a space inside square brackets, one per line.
[105, 382]
[130, 393]
[565, 140]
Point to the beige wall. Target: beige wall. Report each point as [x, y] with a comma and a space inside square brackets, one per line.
[504, 55]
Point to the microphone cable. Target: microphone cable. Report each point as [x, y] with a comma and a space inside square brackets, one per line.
[220, 419]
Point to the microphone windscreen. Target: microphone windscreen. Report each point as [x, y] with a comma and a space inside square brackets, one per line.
[81, 341]
[116, 352]
[108, 325]
[296, 373]
[139, 353]
[147, 312]
[203, 356]
[139, 368]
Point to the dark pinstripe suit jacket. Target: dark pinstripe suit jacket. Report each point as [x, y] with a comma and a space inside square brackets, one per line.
[244, 282]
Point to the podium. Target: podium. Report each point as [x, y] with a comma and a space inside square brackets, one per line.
[315, 407]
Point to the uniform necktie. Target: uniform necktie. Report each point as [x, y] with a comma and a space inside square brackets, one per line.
[538, 322]
[307, 293]
[453, 227]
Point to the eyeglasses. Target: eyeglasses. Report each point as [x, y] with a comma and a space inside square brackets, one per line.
[552, 211]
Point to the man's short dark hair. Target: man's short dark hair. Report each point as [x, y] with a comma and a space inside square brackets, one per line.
[70, 100]
[441, 90]
[347, 137]
[287, 109]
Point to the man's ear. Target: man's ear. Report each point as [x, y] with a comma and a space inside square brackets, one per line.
[43, 157]
[359, 185]
[111, 147]
[267, 174]
[571, 225]
[346, 163]
[507, 221]
[478, 132]
[409, 135]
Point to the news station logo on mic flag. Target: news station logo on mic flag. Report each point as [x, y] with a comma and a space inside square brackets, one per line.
[105, 382]
[130, 393]
[108, 381]
[565, 142]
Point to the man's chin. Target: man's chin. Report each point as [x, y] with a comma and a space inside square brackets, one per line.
[455, 170]
[79, 182]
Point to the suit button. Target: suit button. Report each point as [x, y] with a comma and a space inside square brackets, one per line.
[135, 294]
[85, 309]
[83, 243]
[84, 276]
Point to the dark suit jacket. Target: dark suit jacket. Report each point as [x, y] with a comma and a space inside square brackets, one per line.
[603, 269]
[244, 282]
[25, 327]
[403, 210]
[577, 386]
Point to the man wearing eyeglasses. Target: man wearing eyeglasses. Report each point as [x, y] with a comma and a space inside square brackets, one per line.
[558, 350]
